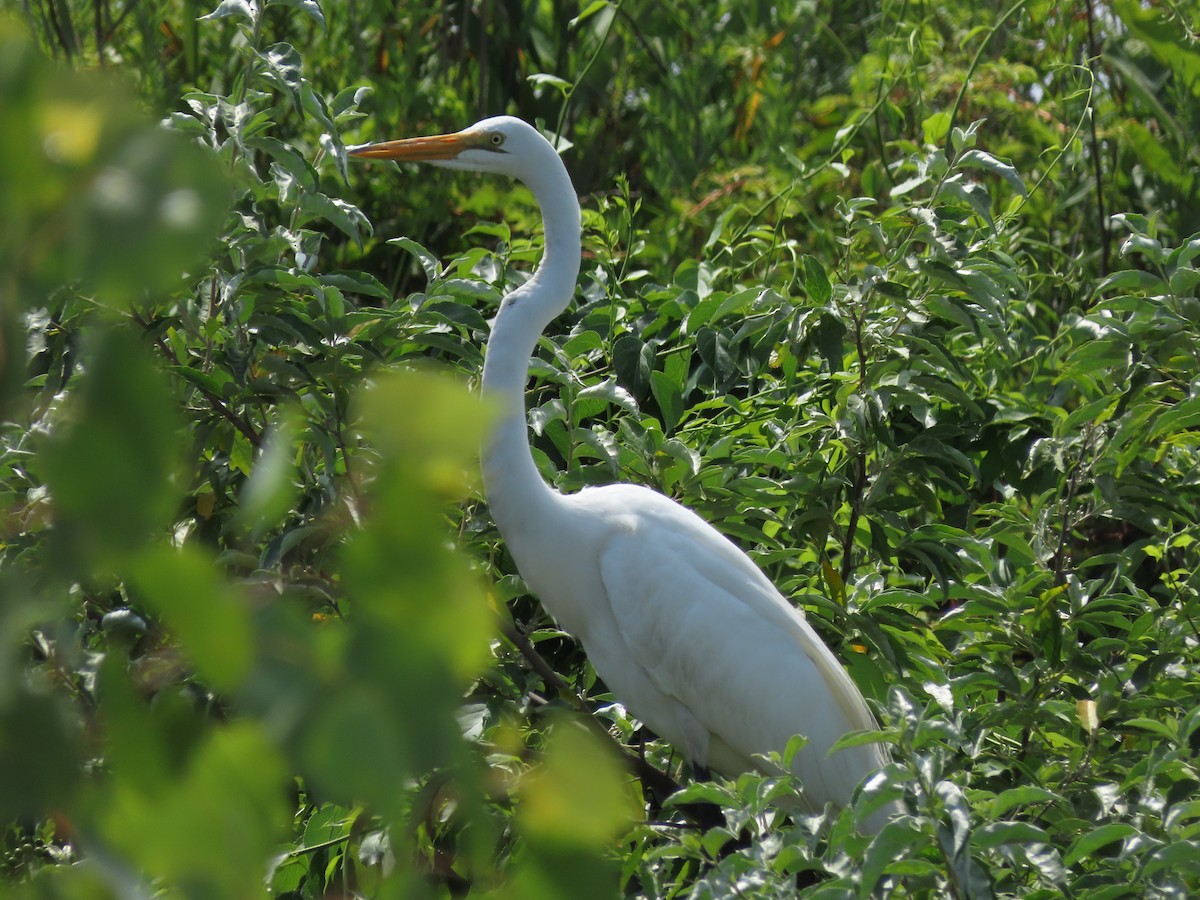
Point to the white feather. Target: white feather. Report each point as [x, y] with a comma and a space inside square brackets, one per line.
[682, 626]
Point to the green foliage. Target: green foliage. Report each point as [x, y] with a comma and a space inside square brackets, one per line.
[903, 299]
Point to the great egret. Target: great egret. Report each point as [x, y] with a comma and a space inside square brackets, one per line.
[680, 623]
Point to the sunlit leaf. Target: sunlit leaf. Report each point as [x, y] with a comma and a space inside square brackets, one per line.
[311, 8]
[1099, 837]
[214, 826]
[576, 797]
[246, 9]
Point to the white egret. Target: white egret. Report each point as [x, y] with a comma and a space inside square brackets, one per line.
[681, 625]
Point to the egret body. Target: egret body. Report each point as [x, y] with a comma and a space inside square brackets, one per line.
[682, 626]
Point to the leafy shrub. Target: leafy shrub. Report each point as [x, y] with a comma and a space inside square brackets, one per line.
[859, 299]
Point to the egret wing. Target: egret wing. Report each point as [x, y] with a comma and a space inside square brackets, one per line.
[714, 633]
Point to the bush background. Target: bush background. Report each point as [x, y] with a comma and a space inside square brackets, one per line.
[902, 297]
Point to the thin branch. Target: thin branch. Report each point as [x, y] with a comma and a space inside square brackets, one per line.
[59, 31]
[1065, 524]
[570, 94]
[115, 24]
[949, 149]
[98, 27]
[233, 418]
[660, 783]
[860, 486]
[214, 401]
[1097, 171]
[553, 680]
[313, 848]
[860, 458]
[339, 432]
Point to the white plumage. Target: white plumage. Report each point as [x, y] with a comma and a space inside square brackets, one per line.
[682, 626]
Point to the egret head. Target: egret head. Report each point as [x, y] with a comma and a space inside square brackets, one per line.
[501, 144]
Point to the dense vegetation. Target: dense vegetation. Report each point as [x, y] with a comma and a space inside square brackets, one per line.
[901, 297]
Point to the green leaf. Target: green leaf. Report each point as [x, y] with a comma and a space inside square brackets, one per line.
[40, 760]
[244, 8]
[1146, 246]
[271, 489]
[859, 739]
[429, 262]
[282, 68]
[970, 195]
[458, 313]
[544, 79]
[112, 465]
[713, 346]
[582, 344]
[670, 400]
[572, 809]
[96, 193]
[1137, 280]
[1021, 796]
[1156, 154]
[426, 428]
[632, 362]
[1183, 416]
[1162, 34]
[994, 834]
[610, 392]
[1167, 730]
[914, 868]
[288, 158]
[816, 282]
[210, 617]
[315, 107]
[936, 127]
[1182, 857]
[1088, 844]
[346, 217]
[311, 8]
[214, 827]
[979, 159]
[703, 792]
[357, 283]
[211, 383]
[577, 795]
[590, 10]
[361, 721]
[893, 842]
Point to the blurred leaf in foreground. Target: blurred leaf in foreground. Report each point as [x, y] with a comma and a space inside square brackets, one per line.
[574, 806]
[112, 463]
[214, 825]
[92, 190]
[418, 625]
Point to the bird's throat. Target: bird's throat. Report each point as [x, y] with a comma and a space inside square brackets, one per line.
[511, 479]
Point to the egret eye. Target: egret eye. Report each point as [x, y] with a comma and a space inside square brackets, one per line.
[496, 138]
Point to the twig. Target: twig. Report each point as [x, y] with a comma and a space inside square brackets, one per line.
[313, 848]
[553, 680]
[1097, 172]
[98, 27]
[659, 783]
[966, 82]
[860, 457]
[237, 421]
[570, 94]
[860, 484]
[1065, 524]
[340, 437]
[214, 401]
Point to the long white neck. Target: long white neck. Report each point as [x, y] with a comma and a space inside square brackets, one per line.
[515, 490]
